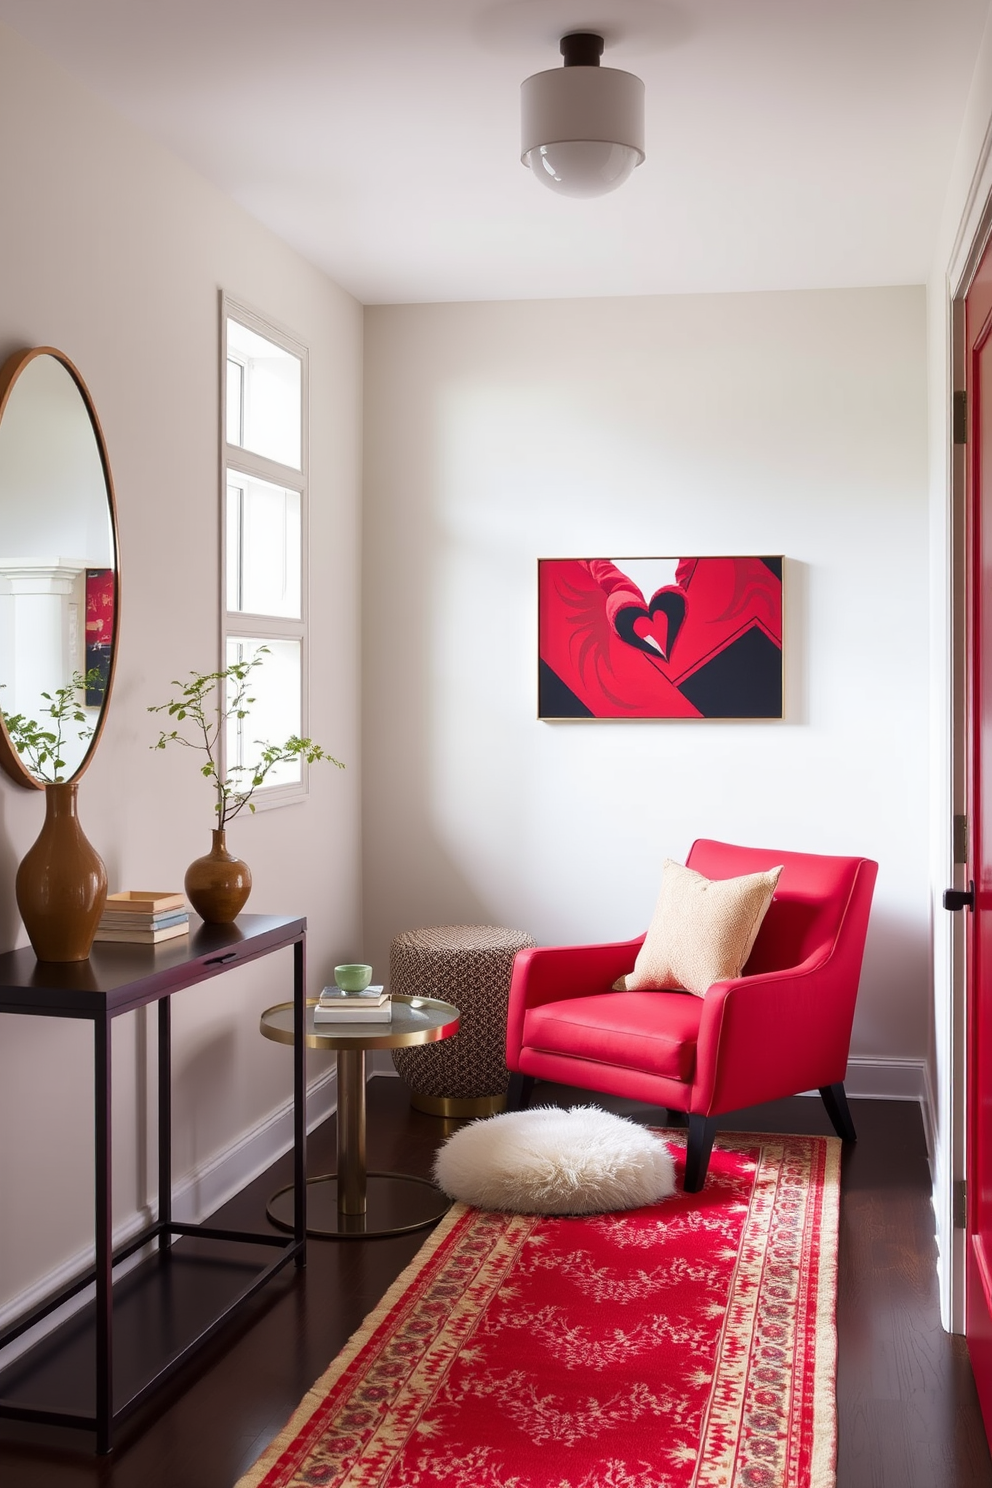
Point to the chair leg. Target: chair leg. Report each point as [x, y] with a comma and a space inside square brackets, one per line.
[702, 1130]
[835, 1100]
[519, 1092]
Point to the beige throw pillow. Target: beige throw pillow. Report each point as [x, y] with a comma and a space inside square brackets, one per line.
[702, 930]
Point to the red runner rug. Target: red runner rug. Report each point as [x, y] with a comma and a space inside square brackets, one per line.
[689, 1344]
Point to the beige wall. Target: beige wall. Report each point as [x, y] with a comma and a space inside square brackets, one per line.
[114, 252]
[762, 423]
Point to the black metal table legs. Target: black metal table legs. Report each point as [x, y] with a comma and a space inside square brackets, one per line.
[299, 1102]
[104, 1233]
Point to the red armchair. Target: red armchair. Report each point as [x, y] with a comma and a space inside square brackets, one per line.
[781, 1028]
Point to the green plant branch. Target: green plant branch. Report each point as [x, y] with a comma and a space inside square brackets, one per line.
[224, 696]
[41, 748]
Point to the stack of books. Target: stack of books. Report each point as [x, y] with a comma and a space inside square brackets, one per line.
[143, 917]
[371, 1006]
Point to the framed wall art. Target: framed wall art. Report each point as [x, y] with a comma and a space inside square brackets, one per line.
[660, 638]
[100, 600]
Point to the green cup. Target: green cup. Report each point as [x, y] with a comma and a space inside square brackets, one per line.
[354, 977]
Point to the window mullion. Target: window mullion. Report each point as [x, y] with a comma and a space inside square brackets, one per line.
[243, 462]
[241, 624]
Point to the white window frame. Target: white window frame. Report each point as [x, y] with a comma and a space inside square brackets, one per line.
[238, 624]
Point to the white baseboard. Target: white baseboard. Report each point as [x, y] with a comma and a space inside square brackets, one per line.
[194, 1196]
[887, 1079]
[893, 1079]
[214, 1182]
[380, 1062]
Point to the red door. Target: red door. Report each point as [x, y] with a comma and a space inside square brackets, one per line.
[978, 320]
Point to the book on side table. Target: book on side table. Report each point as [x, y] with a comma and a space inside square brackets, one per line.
[371, 1006]
[142, 917]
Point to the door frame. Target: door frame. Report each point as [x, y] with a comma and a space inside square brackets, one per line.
[951, 739]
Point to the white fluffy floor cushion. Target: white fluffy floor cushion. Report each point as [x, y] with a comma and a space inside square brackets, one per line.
[550, 1161]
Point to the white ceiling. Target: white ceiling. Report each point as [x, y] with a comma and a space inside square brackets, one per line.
[790, 143]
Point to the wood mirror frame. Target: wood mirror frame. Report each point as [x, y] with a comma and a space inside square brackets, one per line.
[10, 374]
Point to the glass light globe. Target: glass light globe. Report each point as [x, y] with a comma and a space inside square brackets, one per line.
[583, 167]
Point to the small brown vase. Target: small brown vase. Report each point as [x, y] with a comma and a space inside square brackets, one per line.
[218, 884]
[61, 886]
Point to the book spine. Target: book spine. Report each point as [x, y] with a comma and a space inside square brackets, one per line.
[343, 1010]
[141, 937]
[370, 1017]
[175, 905]
[139, 922]
[351, 1005]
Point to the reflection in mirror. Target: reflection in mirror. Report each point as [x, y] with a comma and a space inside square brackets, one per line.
[58, 567]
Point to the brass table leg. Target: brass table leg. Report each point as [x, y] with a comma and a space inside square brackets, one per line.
[352, 1186]
[354, 1203]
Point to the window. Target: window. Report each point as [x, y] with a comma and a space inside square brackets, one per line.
[264, 402]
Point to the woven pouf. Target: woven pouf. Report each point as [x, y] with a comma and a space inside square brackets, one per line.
[470, 966]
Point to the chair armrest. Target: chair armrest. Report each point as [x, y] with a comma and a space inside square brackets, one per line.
[553, 973]
[775, 1034]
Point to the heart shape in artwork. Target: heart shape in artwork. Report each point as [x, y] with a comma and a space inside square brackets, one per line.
[653, 629]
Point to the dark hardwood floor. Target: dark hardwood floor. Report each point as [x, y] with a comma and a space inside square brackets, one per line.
[907, 1410]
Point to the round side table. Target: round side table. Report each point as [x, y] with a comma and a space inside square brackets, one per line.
[354, 1203]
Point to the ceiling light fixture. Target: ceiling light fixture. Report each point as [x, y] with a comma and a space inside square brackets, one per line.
[582, 125]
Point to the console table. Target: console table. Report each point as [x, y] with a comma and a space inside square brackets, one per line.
[196, 1276]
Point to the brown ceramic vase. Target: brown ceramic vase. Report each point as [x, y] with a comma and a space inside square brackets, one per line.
[218, 885]
[61, 886]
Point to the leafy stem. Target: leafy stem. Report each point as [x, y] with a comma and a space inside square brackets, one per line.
[41, 747]
[202, 707]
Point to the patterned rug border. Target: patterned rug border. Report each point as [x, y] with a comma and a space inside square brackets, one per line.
[823, 1455]
[318, 1391]
[823, 1472]
[823, 1459]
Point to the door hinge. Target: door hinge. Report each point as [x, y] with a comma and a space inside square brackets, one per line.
[960, 839]
[960, 418]
[960, 1204]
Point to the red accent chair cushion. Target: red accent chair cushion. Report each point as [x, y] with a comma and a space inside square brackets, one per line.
[651, 1031]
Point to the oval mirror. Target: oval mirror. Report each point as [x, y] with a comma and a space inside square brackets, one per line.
[59, 571]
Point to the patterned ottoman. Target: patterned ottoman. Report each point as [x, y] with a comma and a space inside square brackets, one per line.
[470, 966]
